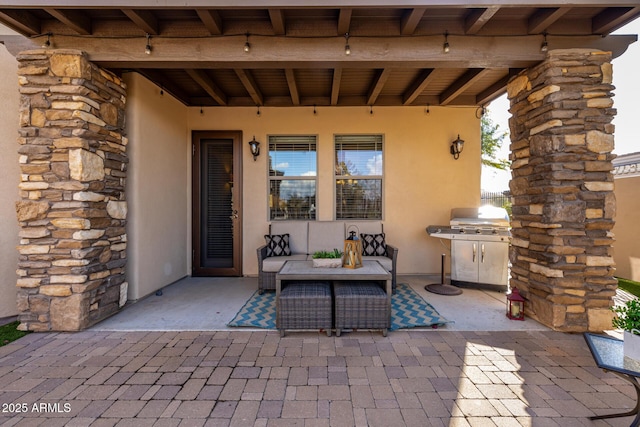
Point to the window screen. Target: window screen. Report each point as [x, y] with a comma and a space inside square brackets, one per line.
[292, 177]
[358, 174]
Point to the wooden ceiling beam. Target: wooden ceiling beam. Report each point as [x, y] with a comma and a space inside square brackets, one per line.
[460, 85]
[293, 86]
[613, 18]
[278, 21]
[144, 19]
[544, 18]
[344, 21]
[378, 85]
[208, 85]
[284, 52]
[250, 85]
[21, 21]
[477, 19]
[496, 89]
[410, 20]
[164, 83]
[418, 86]
[335, 85]
[211, 20]
[77, 21]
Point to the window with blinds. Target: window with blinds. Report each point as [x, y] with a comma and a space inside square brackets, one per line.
[292, 177]
[358, 175]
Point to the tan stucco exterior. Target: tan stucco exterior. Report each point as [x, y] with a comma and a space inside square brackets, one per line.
[627, 229]
[157, 188]
[422, 181]
[9, 179]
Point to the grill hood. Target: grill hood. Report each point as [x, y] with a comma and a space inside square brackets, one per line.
[482, 216]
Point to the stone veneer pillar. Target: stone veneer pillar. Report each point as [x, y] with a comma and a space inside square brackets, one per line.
[562, 189]
[73, 210]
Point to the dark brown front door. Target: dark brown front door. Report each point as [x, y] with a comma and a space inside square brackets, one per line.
[217, 203]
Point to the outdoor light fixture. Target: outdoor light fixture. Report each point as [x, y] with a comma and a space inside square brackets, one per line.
[255, 148]
[47, 43]
[247, 46]
[544, 46]
[445, 46]
[456, 147]
[147, 48]
[347, 48]
[515, 305]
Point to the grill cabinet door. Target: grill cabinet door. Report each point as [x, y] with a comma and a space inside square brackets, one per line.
[493, 263]
[464, 260]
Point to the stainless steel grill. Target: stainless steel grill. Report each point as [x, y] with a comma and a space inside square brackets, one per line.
[479, 245]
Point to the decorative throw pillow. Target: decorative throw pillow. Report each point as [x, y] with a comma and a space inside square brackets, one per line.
[277, 244]
[373, 245]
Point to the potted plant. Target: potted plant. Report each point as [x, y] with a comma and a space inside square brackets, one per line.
[628, 319]
[332, 259]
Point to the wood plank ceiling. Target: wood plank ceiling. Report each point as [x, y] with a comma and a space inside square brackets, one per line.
[293, 53]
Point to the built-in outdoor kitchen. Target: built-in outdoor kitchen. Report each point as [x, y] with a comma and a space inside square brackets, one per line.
[479, 248]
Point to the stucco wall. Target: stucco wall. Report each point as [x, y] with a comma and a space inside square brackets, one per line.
[9, 178]
[422, 181]
[157, 188]
[626, 230]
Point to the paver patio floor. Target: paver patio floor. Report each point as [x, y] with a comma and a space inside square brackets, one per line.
[247, 378]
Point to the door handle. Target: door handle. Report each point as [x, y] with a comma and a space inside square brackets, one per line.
[482, 252]
[475, 249]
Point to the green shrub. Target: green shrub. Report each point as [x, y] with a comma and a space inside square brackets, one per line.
[628, 316]
[10, 333]
[629, 286]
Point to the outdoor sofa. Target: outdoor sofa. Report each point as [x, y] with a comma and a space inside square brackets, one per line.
[306, 237]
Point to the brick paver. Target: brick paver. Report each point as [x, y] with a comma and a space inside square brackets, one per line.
[243, 378]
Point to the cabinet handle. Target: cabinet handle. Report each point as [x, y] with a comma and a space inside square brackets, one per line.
[475, 249]
[482, 250]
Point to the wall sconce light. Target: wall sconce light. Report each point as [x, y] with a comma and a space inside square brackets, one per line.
[255, 148]
[456, 147]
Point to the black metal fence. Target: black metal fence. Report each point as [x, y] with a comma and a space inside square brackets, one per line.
[500, 199]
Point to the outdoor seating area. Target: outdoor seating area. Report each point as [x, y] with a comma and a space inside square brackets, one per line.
[299, 240]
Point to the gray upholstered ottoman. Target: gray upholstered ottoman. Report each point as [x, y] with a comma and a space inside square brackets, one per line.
[360, 305]
[305, 305]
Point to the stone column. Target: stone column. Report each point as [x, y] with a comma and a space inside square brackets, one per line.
[562, 188]
[72, 211]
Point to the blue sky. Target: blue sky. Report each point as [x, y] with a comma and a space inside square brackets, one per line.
[627, 120]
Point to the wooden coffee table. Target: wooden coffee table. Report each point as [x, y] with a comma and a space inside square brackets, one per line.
[301, 271]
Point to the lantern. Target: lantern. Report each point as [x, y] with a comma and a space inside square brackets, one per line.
[352, 257]
[515, 305]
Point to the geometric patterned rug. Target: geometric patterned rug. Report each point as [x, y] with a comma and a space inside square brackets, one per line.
[408, 310]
